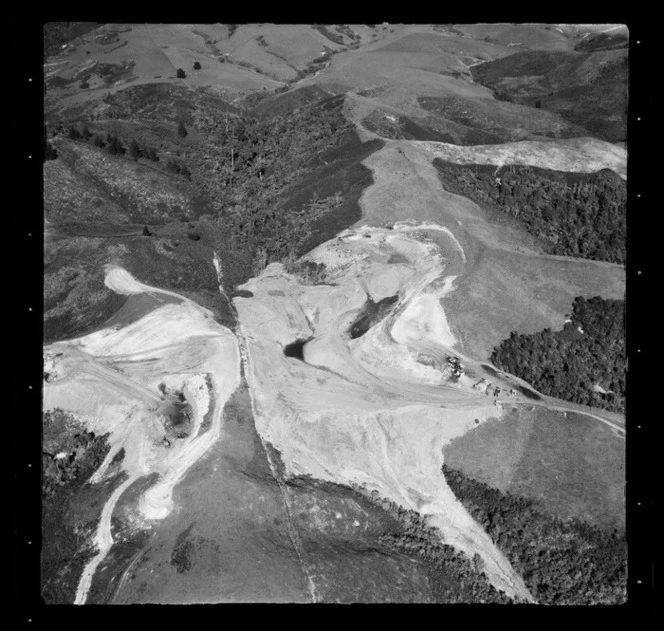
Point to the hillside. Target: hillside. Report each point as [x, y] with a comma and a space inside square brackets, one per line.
[583, 216]
[171, 205]
[586, 88]
[563, 562]
[333, 313]
[572, 465]
[584, 363]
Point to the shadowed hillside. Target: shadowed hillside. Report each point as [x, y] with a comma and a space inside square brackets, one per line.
[588, 89]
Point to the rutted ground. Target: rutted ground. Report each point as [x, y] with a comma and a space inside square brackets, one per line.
[372, 392]
[372, 413]
[507, 283]
[120, 381]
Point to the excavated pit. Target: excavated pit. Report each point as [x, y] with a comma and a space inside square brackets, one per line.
[372, 313]
[296, 349]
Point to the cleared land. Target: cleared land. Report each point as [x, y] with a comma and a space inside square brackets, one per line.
[364, 437]
[178, 345]
[504, 267]
[298, 458]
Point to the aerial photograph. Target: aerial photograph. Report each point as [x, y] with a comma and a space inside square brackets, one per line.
[334, 313]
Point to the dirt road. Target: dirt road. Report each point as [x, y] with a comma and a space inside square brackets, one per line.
[112, 379]
[364, 413]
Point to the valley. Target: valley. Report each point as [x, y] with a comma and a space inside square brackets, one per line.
[280, 292]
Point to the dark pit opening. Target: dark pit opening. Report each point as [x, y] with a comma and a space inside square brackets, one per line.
[372, 313]
[296, 349]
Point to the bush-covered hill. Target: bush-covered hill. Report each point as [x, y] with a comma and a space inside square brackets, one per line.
[487, 121]
[160, 102]
[284, 183]
[584, 363]
[563, 562]
[206, 179]
[602, 41]
[589, 89]
[275, 104]
[89, 183]
[576, 214]
[70, 512]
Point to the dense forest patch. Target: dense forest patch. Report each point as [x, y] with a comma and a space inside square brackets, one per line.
[576, 214]
[562, 562]
[453, 576]
[584, 363]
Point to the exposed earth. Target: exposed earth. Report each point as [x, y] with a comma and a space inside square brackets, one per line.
[267, 355]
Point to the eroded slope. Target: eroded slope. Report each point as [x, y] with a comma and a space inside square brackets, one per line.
[371, 413]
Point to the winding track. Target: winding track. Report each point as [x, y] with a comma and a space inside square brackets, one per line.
[399, 459]
[443, 509]
[215, 353]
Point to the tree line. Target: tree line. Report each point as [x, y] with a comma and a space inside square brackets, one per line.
[589, 351]
[453, 576]
[576, 214]
[562, 561]
[134, 150]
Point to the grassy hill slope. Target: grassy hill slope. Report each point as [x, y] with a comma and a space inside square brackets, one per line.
[507, 282]
[519, 36]
[573, 465]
